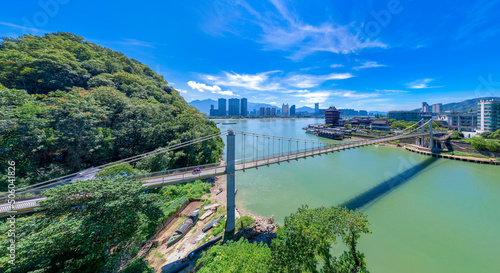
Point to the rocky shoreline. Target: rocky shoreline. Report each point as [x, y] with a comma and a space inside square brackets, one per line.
[263, 229]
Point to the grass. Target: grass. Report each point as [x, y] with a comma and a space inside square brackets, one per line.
[243, 222]
[356, 134]
[467, 140]
[219, 228]
[467, 154]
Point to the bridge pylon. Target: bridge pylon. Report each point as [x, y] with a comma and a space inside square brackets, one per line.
[230, 183]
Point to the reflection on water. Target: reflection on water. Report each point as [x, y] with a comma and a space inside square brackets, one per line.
[427, 214]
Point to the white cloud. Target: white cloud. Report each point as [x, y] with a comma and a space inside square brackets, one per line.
[282, 29]
[308, 81]
[352, 94]
[203, 87]
[257, 81]
[369, 64]
[227, 93]
[304, 39]
[391, 91]
[267, 81]
[336, 65]
[180, 90]
[421, 84]
[213, 89]
[313, 97]
[24, 28]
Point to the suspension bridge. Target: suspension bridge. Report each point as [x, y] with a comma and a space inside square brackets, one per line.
[255, 150]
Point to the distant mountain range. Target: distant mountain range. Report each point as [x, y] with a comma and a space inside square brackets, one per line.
[204, 106]
[466, 105]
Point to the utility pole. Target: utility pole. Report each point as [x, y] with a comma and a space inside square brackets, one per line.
[423, 130]
[230, 162]
[430, 137]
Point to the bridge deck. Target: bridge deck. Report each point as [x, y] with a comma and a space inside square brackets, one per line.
[159, 180]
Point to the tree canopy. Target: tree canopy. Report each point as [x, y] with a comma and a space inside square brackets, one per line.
[303, 244]
[67, 104]
[81, 223]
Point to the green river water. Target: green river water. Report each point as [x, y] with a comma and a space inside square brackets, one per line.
[443, 217]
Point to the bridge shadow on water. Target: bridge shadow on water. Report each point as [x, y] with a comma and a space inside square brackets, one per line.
[386, 187]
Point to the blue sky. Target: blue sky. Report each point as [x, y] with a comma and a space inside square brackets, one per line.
[372, 55]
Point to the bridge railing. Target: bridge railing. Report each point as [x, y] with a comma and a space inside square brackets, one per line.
[139, 177]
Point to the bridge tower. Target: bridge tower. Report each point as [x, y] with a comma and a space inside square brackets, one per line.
[230, 180]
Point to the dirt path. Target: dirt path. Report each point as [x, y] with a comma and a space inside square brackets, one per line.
[163, 258]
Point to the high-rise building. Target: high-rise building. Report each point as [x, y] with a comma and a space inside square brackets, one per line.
[316, 108]
[244, 109]
[292, 110]
[459, 121]
[222, 107]
[213, 112]
[273, 112]
[234, 107]
[488, 115]
[405, 115]
[437, 108]
[348, 112]
[332, 116]
[262, 111]
[363, 113]
[268, 111]
[285, 110]
[425, 107]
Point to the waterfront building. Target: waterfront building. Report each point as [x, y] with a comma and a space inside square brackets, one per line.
[381, 125]
[213, 112]
[222, 107]
[278, 112]
[459, 121]
[360, 122]
[285, 110]
[316, 108]
[292, 110]
[244, 108]
[405, 115]
[262, 111]
[268, 111]
[488, 114]
[332, 116]
[425, 107]
[348, 112]
[437, 108]
[273, 112]
[234, 107]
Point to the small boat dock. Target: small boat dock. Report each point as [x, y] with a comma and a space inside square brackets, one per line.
[326, 132]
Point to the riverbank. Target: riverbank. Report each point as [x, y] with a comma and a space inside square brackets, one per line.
[163, 257]
[479, 160]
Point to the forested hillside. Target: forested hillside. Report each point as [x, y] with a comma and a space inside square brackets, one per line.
[67, 104]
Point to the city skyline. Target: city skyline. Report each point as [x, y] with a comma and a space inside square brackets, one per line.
[381, 57]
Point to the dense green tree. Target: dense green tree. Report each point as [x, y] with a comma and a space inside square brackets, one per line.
[240, 256]
[82, 223]
[303, 244]
[307, 236]
[67, 105]
[457, 135]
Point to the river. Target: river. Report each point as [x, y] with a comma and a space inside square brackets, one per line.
[440, 216]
